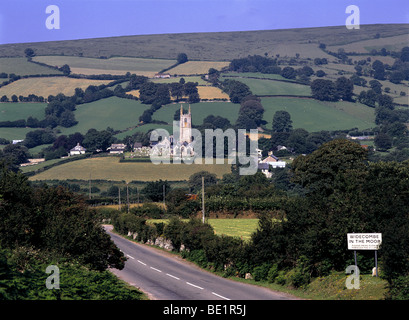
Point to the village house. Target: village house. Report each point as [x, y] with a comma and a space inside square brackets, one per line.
[78, 149]
[162, 76]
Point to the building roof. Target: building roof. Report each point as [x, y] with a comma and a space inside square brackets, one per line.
[78, 148]
[270, 158]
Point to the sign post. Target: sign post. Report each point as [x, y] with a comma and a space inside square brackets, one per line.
[365, 241]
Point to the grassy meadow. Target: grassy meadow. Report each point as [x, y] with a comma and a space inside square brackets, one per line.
[113, 112]
[271, 87]
[109, 168]
[21, 67]
[314, 115]
[10, 111]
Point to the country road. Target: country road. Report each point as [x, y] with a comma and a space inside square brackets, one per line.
[163, 276]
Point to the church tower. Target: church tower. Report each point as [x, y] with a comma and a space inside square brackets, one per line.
[185, 126]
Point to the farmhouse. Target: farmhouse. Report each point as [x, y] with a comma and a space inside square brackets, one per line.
[77, 150]
[162, 76]
[273, 161]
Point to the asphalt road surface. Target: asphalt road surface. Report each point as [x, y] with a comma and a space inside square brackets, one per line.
[163, 276]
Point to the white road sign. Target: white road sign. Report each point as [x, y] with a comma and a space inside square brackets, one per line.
[364, 241]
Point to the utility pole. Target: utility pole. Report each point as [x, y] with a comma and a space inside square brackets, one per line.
[203, 201]
[119, 198]
[127, 195]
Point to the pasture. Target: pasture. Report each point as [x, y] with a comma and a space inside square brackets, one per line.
[10, 111]
[272, 87]
[113, 112]
[22, 67]
[314, 115]
[109, 168]
[114, 66]
[45, 86]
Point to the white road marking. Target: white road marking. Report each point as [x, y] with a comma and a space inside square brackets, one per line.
[141, 262]
[155, 269]
[172, 276]
[193, 285]
[130, 257]
[220, 296]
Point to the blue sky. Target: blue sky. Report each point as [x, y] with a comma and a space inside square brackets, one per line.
[24, 20]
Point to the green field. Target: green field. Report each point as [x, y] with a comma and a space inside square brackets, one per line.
[22, 67]
[116, 65]
[314, 115]
[109, 168]
[199, 111]
[14, 133]
[10, 111]
[271, 87]
[113, 112]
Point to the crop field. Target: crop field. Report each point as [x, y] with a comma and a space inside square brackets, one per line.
[10, 111]
[272, 87]
[208, 92]
[45, 86]
[199, 111]
[113, 112]
[109, 168]
[197, 67]
[115, 66]
[241, 228]
[22, 67]
[314, 115]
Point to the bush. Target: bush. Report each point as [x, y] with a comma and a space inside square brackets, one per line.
[196, 256]
[261, 272]
[399, 289]
[272, 273]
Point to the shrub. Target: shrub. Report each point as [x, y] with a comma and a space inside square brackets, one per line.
[272, 273]
[399, 289]
[261, 272]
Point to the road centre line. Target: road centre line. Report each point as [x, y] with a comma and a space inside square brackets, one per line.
[155, 269]
[220, 296]
[141, 262]
[130, 257]
[193, 285]
[172, 276]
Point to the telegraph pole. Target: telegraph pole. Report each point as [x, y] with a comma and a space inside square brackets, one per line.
[127, 195]
[119, 198]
